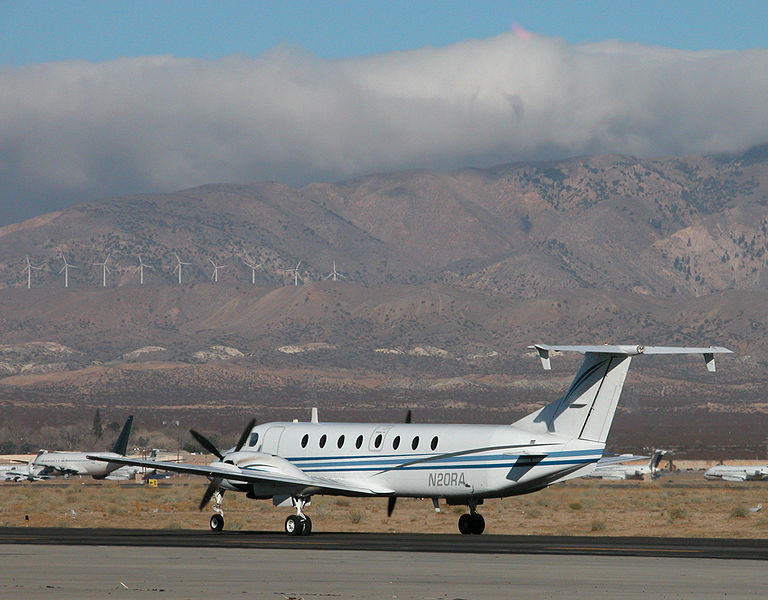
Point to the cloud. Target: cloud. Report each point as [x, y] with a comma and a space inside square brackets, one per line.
[77, 130]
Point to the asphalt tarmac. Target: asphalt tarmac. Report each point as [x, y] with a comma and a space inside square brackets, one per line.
[756, 549]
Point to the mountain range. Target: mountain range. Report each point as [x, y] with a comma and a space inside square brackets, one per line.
[447, 277]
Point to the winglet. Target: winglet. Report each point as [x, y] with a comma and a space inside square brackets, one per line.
[544, 356]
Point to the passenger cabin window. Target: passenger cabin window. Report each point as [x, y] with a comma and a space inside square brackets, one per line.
[433, 445]
[415, 443]
[305, 440]
[359, 442]
[377, 441]
[340, 443]
[396, 442]
[254, 439]
[322, 441]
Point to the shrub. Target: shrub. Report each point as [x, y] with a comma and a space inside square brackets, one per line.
[677, 513]
[597, 525]
[739, 512]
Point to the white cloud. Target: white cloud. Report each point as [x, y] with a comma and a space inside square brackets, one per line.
[74, 129]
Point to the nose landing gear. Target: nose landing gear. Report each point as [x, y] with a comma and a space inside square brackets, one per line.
[217, 520]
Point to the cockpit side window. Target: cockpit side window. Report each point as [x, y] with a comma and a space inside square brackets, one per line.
[253, 439]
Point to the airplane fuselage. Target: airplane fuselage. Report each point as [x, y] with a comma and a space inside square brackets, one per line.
[72, 463]
[417, 460]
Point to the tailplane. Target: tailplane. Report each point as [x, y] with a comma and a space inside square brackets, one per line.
[586, 410]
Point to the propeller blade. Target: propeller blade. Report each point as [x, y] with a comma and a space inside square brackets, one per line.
[244, 435]
[205, 443]
[209, 492]
[391, 505]
[408, 416]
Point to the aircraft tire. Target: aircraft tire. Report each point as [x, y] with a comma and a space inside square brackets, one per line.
[477, 524]
[293, 525]
[465, 524]
[217, 522]
[306, 526]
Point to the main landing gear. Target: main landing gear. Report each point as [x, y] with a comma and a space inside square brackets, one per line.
[298, 524]
[471, 522]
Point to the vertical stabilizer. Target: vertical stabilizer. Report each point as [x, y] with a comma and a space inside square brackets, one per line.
[586, 410]
[121, 445]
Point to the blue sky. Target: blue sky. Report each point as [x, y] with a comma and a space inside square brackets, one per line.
[34, 32]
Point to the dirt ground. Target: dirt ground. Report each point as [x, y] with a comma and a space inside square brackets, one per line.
[683, 505]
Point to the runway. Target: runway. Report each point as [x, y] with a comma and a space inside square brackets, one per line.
[754, 549]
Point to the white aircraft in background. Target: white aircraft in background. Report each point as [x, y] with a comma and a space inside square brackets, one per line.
[82, 463]
[18, 472]
[463, 464]
[615, 469]
[737, 472]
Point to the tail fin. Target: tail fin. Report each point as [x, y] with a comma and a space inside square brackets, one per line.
[121, 445]
[587, 409]
[653, 464]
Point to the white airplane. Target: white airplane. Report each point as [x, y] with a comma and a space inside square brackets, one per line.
[615, 469]
[463, 464]
[82, 463]
[20, 471]
[737, 472]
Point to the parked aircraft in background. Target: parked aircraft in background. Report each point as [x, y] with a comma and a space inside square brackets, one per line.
[81, 463]
[20, 472]
[289, 462]
[611, 470]
[737, 472]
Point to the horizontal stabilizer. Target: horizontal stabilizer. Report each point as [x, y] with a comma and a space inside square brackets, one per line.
[630, 350]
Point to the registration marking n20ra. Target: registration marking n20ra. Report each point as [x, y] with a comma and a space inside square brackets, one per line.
[447, 479]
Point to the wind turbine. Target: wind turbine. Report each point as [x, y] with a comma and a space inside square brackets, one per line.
[253, 266]
[28, 270]
[140, 270]
[215, 274]
[66, 269]
[178, 265]
[104, 270]
[295, 272]
[333, 275]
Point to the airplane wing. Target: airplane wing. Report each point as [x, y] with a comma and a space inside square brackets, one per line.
[235, 473]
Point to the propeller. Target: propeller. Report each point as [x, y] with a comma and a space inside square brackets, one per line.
[393, 499]
[391, 505]
[208, 445]
[209, 492]
[244, 435]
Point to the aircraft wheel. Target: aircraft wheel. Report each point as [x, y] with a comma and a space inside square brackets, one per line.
[477, 524]
[465, 524]
[306, 526]
[293, 525]
[217, 522]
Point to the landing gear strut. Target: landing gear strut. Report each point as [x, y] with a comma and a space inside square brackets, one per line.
[217, 520]
[471, 522]
[298, 524]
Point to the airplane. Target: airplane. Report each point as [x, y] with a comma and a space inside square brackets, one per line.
[18, 472]
[737, 472]
[81, 463]
[612, 470]
[289, 462]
